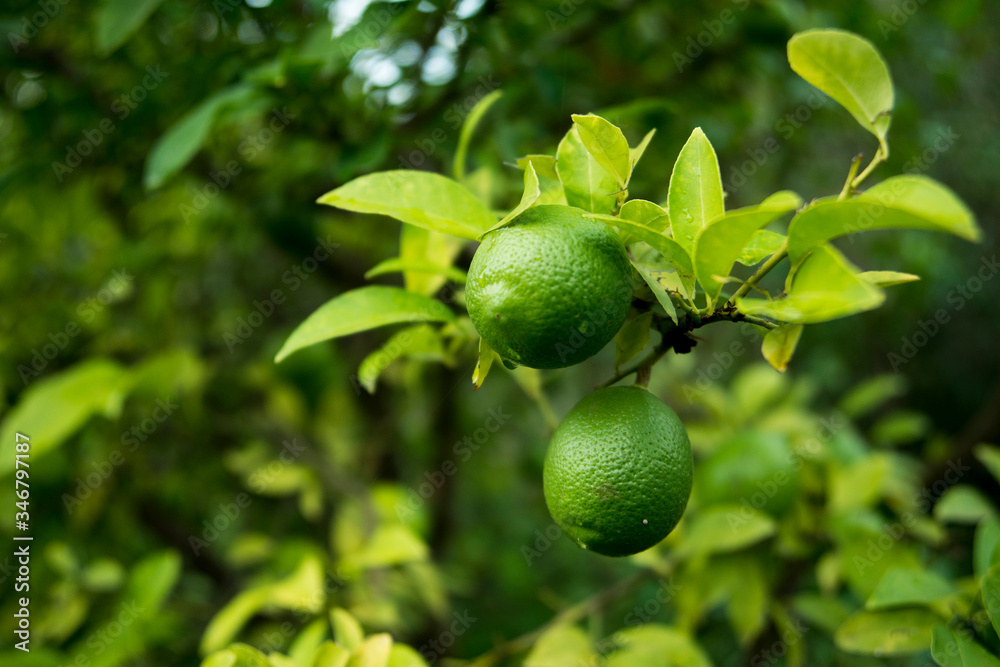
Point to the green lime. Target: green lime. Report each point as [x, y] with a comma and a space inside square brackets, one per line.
[752, 467]
[618, 471]
[551, 289]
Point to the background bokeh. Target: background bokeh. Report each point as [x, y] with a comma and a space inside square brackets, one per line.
[159, 166]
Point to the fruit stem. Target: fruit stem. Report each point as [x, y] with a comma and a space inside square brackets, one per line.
[642, 368]
[765, 268]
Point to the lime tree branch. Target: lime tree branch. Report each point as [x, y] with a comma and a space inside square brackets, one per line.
[677, 338]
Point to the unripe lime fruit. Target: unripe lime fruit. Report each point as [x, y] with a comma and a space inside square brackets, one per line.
[618, 471]
[551, 289]
[752, 466]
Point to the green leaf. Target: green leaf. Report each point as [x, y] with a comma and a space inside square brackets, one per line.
[658, 290]
[306, 645]
[405, 656]
[900, 202]
[390, 544]
[667, 247]
[487, 355]
[400, 265]
[545, 165]
[468, 127]
[532, 191]
[747, 608]
[984, 546]
[951, 648]
[990, 457]
[695, 194]
[635, 154]
[849, 69]
[421, 342]
[899, 428]
[301, 591]
[871, 394]
[825, 287]
[779, 345]
[373, 652]
[963, 504]
[632, 338]
[151, 581]
[606, 143]
[237, 655]
[331, 655]
[175, 147]
[991, 595]
[559, 646]
[723, 239]
[887, 633]
[655, 645]
[888, 278]
[826, 613]
[724, 528]
[761, 245]
[347, 631]
[425, 247]
[647, 214]
[55, 407]
[586, 183]
[417, 198]
[117, 20]
[362, 309]
[548, 178]
[900, 587]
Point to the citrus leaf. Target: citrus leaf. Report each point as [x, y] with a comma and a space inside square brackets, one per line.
[963, 503]
[989, 456]
[487, 355]
[606, 143]
[671, 251]
[984, 546]
[532, 191]
[825, 287]
[632, 338]
[761, 245]
[722, 239]
[347, 631]
[659, 292]
[434, 248]
[468, 127]
[902, 587]
[888, 278]
[586, 183]
[419, 342]
[405, 656]
[991, 595]
[417, 198]
[900, 202]
[175, 147]
[655, 645]
[548, 178]
[779, 345]
[117, 20]
[55, 407]
[886, 633]
[374, 651]
[871, 394]
[849, 69]
[362, 309]
[331, 655]
[694, 196]
[647, 214]
[400, 265]
[950, 648]
[725, 528]
[635, 154]
[561, 645]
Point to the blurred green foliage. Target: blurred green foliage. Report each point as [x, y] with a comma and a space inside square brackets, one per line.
[160, 162]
